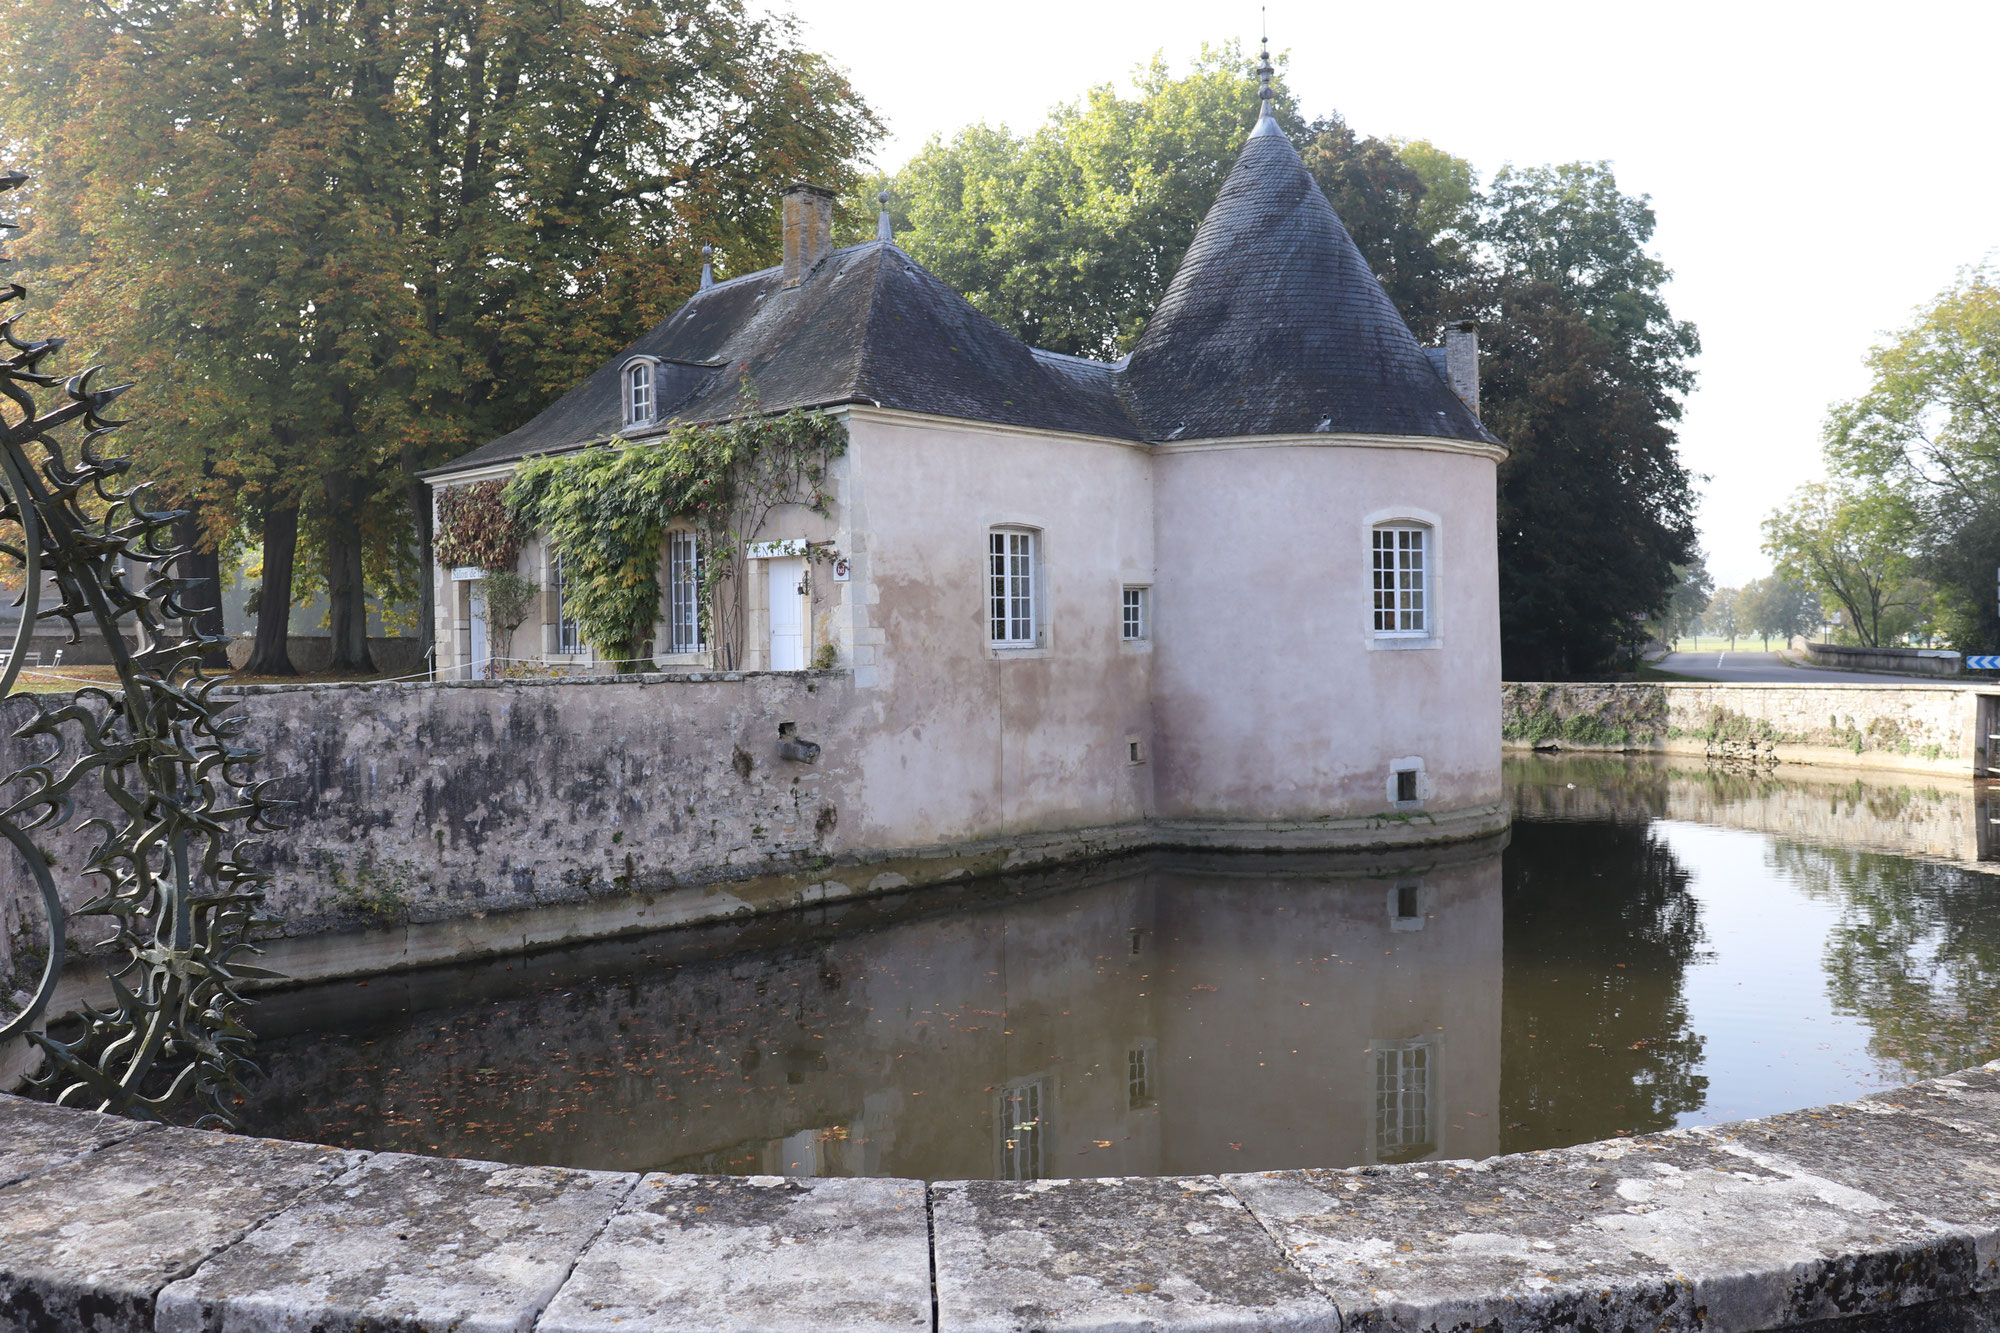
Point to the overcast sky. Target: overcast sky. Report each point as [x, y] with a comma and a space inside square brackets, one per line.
[1818, 171]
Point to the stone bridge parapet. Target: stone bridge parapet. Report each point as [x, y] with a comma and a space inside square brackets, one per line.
[1874, 1216]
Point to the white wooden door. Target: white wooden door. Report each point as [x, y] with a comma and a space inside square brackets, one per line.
[788, 640]
[476, 592]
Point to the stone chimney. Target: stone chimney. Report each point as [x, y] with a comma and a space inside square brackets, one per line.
[1461, 361]
[808, 229]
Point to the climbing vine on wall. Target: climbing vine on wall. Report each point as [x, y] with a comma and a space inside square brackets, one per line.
[607, 510]
[475, 527]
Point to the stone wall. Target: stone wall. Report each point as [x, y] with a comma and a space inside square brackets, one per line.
[451, 802]
[1917, 661]
[1873, 1216]
[1934, 728]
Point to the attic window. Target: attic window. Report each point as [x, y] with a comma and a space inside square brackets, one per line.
[639, 393]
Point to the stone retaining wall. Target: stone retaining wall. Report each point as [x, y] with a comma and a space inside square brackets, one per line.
[1881, 1214]
[441, 821]
[1933, 728]
[452, 803]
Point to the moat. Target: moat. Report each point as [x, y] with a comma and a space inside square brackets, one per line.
[1623, 961]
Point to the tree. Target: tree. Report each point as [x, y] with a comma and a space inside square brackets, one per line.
[1692, 589]
[1777, 607]
[1584, 380]
[1927, 432]
[1852, 548]
[1069, 236]
[349, 240]
[1722, 616]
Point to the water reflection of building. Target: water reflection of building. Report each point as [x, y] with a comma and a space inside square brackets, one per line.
[1170, 1018]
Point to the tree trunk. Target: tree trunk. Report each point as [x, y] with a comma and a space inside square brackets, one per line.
[268, 653]
[205, 568]
[346, 594]
[419, 492]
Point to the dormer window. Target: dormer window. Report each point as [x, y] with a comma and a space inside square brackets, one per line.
[639, 393]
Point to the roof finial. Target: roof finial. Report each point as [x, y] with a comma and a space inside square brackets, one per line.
[707, 267]
[884, 230]
[1267, 120]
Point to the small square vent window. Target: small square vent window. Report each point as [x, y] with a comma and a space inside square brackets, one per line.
[1406, 784]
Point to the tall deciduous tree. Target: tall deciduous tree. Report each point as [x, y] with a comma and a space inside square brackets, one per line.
[1585, 381]
[1927, 432]
[1777, 607]
[1854, 549]
[348, 239]
[1683, 612]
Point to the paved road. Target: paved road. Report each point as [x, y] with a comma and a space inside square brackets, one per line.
[1753, 667]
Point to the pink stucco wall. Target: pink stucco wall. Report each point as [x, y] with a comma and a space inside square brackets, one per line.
[1271, 697]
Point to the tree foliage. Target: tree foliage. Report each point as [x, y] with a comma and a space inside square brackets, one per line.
[1775, 607]
[1854, 549]
[1924, 440]
[476, 528]
[1583, 382]
[1693, 587]
[1069, 235]
[346, 240]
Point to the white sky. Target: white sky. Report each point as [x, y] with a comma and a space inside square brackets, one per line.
[1818, 171]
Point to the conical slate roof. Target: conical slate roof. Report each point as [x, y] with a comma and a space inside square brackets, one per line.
[1275, 325]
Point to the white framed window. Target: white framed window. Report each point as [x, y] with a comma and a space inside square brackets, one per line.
[1135, 618]
[569, 634]
[1404, 1091]
[639, 393]
[1402, 579]
[1017, 1114]
[1012, 576]
[683, 593]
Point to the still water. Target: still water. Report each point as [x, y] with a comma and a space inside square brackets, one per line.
[1653, 946]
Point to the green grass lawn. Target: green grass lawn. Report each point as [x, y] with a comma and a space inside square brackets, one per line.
[1708, 643]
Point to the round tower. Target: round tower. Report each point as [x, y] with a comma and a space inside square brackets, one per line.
[1326, 585]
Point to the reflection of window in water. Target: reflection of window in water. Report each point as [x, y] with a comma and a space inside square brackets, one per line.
[1139, 1076]
[1403, 1095]
[1406, 906]
[1986, 830]
[806, 1153]
[1018, 1115]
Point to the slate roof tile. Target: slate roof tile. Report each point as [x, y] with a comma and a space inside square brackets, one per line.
[1273, 324]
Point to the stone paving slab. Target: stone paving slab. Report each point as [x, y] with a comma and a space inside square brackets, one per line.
[1941, 1168]
[1762, 1245]
[1459, 1245]
[87, 1245]
[35, 1138]
[1094, 1256]
[402, 1244]
[756, 1254]
[1970, 1100]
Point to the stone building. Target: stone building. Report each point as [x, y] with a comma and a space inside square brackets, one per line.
[1243, 578]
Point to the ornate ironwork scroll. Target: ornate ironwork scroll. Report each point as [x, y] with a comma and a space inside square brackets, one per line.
[168, 875]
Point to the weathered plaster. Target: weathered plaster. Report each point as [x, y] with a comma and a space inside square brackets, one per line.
[1270, 700]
